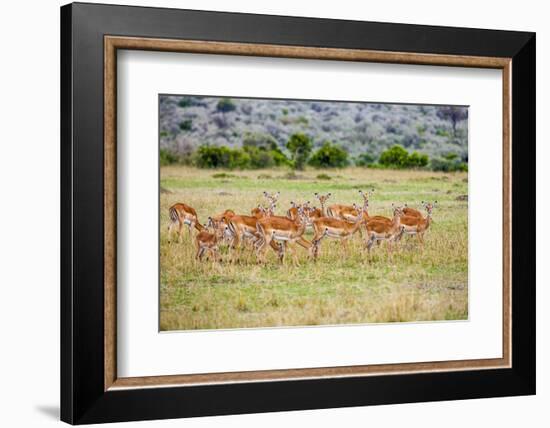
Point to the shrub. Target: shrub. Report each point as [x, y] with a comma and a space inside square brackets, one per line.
[221, 157]
[186, 125]
[225, 105]
[279, 158]
[259, 158]
[300, 147]
[167, 158]
[323, 177]
[364, 159]
[448, 165]
[329, 156]
[395, 156]
[398, 157]
[416, 160]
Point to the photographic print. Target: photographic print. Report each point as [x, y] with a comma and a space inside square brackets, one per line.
[286, 212]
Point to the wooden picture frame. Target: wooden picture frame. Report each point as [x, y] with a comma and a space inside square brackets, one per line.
[91, 390]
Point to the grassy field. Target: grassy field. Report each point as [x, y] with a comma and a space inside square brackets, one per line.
[338, 289]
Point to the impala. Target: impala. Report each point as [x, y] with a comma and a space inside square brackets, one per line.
[227, 213]
[413, 225]
[347, 212]
[241, 228]
[181, 214]
[207, 242]
[378, 230]
[323, 200]
[292, 212]
[412, 212]
[272, 198]
[282, 229]
[334, 228]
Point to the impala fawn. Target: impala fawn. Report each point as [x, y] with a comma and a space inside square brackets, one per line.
[207, 242]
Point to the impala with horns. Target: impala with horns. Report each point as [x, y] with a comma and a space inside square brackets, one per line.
[182, 214]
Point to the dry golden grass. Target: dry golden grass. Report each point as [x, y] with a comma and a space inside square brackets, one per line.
[339, 288]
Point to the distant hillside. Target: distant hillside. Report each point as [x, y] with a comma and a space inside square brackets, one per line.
[187, 122]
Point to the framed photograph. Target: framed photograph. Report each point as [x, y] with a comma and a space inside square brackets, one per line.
[266, 213]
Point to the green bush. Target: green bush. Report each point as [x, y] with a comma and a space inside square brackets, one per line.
[221, 157]
[225, 105]
[416, 160]
[395, 157]
[448, 165]
[398, 157]
[300, 146]
[279, 158]
[259, 158]
[364, 159]
[167, 158]
[329, 156]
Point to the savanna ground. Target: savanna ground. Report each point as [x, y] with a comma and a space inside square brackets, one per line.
[340, 288]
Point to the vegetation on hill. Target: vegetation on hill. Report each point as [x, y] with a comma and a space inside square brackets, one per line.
[241, 133]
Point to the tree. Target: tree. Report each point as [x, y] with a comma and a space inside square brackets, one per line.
[300, 147]
[453, 114]
[329, 156]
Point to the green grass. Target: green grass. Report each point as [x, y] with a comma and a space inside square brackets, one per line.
[339, 288]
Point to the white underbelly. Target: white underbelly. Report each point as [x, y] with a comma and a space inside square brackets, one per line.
[281, 237]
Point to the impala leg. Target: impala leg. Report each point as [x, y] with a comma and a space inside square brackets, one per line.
[200, 253]
[170, 227]
[180, 231]
[216, 256]
[260, 253]
[421, 240]
[235, 244]
[294, 253]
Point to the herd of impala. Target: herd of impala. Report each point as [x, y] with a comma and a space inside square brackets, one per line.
[263, 229]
